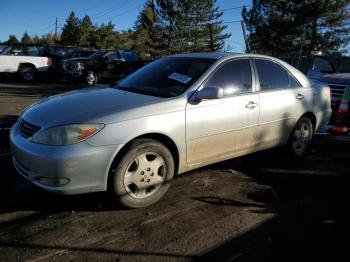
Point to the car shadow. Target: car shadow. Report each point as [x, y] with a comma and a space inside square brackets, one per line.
[309, 199]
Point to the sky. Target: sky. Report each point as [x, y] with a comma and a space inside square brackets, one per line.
[37, 17]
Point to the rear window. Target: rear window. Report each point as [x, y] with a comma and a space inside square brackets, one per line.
[127, 55]
[273, 76]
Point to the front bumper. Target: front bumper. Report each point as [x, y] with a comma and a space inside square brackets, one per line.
[83, 167]
[78, 74]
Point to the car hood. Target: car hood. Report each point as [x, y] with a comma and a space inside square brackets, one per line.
[83, 106]
[338, 78]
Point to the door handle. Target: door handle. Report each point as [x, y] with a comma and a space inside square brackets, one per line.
[251, 105]
[299, 96]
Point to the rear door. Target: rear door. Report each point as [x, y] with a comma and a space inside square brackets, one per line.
[282, 102]
[109, 64]
[220, 128]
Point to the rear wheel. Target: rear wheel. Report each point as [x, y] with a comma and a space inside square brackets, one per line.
[301, 137]
[28, 73]
[143, 175]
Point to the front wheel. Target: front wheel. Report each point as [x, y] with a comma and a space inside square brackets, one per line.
[143, 175]
[301, 137]
[91, 78]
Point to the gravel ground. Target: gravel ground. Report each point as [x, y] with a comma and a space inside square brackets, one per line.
[263, 207]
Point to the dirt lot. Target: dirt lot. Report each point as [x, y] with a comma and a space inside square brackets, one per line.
[263, 207]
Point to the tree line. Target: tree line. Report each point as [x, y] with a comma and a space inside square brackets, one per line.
[290, 27]
[163, 27]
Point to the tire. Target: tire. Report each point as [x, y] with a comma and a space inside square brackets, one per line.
[301, 137]
[144, 173]
[91, 78]
[28, 73]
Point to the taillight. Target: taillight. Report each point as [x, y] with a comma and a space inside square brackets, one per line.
[49, 61]
[330, 92]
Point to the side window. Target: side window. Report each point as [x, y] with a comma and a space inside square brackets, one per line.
[271, 75]
[293, 83]
[235, 77]
[322, 65]
[112, 56]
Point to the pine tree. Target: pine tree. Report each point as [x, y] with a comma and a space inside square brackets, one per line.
[167, 13]
[85, 31]
[125, 39]
[26, 39]
[279, 27]
[12, 40]
[184, 26]
[105, 37]
[71, 31]
[201, 26]
[47, 40]
[36, 40]
[146, 35]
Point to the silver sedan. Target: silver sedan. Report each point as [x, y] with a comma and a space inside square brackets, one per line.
[171, 116]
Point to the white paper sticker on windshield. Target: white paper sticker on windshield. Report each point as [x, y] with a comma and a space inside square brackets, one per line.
[180, 78]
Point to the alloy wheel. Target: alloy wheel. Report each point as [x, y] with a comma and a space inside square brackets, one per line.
[145, 175]
[301, 136]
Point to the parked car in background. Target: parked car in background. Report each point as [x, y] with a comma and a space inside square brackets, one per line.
[101, 64]
[322, 70]
[81, 53]
[60, 53]
[23, 60]
[173, 115]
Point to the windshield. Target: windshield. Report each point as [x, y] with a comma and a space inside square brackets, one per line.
[6, 50]
[78, 54]
[166, 77]
[97, 54]
[2, 48]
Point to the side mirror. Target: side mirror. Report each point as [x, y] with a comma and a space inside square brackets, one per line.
[209, 92]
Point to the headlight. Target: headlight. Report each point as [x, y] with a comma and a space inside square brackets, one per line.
[65, 135]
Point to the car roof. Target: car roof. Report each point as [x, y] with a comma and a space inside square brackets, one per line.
[213, 55]
[222, 56]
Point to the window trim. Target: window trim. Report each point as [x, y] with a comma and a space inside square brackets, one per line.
[253, 77]
[259, 89]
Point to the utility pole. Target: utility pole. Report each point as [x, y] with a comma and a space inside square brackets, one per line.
[211, 38]
[245, 36]
[56, 29]
[301, 46]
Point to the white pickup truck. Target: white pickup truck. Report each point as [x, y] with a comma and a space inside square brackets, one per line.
[26, 64]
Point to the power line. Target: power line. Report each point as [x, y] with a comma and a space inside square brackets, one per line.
[234, 42]
[121, 14]
[26, 18]
[44, 30]
[232, 22]
[94, 6]
[106, 11]
[234, 8]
